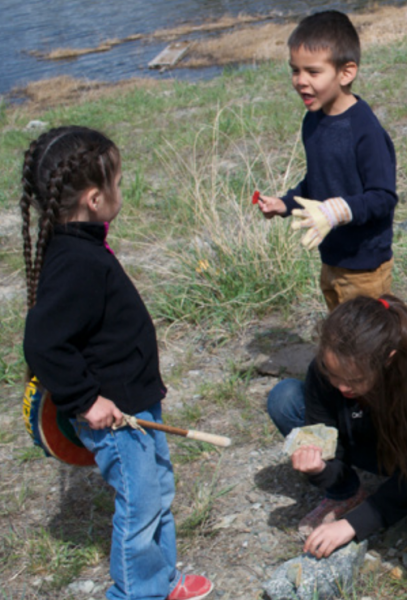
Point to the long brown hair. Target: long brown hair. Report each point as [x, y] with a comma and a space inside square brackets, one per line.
[365, 332]
[58, 167]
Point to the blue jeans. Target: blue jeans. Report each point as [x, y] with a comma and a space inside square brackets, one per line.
[286, 407]
[138, 467]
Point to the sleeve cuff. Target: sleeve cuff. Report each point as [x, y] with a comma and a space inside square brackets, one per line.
[290, 204]
[364, 519]
[328, 476]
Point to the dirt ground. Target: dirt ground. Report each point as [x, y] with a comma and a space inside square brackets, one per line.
[248, 498]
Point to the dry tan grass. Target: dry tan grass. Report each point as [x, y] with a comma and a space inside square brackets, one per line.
[61, 90]
[382, 26]
[245, 45]
[269, 41]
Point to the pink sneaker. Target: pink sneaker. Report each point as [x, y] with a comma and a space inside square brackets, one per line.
[192, 587]
[329, 511]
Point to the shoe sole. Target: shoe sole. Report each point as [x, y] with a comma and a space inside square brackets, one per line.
[202, 595]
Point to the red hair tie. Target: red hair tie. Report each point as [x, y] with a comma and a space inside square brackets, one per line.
[384, 302]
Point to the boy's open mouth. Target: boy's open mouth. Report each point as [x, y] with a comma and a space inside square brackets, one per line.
[307, 99]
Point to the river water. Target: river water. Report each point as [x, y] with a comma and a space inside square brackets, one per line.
[45, 25]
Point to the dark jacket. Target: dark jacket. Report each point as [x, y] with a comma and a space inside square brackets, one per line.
[89, 333]
[350, 155]
[325, 404]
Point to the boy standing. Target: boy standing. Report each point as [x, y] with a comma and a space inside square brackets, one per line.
[351, 164]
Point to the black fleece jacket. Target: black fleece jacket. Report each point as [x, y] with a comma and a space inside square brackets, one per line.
[325, 404]
[89, 333]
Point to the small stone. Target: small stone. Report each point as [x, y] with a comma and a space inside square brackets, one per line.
[226, 522]
[100, 588]
[371, 563]
[252, 498]
[35, 124]
[396, 573]
[81, 587]
[316, 435]
[194, 373]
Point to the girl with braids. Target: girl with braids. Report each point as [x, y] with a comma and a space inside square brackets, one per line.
[91, 342]
[358, 384]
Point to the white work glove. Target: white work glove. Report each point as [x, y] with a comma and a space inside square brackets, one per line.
[319, 218]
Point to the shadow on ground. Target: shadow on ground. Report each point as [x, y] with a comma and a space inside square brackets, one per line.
[292, 496]
[280, 352]
[85, 510]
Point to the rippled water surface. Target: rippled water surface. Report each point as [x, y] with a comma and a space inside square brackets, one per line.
[45, 25]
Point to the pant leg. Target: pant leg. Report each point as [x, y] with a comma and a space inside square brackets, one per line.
[372, 283]
[286, 405]
[166, 533]
[143, 552]
[328, 289]
[339, 284]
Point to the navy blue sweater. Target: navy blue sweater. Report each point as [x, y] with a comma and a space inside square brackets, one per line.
[352, 156]
[89, 333]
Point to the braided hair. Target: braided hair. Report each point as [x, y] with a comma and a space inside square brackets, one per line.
[58, 167]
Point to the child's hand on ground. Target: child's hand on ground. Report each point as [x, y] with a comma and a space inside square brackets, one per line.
[328, 537]
[271, 206]
[103, 413]
[308, 459]
[319, 218]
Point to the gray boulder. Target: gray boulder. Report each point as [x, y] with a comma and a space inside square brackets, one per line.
[306, 577]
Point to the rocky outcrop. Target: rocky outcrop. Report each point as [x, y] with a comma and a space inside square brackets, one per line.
[303, 577]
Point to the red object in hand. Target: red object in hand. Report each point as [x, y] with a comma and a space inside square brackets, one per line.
[255, 197]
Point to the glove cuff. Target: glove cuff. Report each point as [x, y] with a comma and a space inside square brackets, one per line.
[337, 211]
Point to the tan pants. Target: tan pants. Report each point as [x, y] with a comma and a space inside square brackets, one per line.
[339, 284]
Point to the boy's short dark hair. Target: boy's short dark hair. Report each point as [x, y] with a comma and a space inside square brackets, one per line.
[328, 30]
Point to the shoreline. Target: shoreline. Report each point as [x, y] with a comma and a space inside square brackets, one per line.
[240, 41]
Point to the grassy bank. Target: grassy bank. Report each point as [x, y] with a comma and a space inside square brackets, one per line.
[201, 255]
[192, 156]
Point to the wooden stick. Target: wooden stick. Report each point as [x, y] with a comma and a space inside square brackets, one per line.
[202, 436]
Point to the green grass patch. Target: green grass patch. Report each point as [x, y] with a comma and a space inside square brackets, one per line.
[62, 560]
